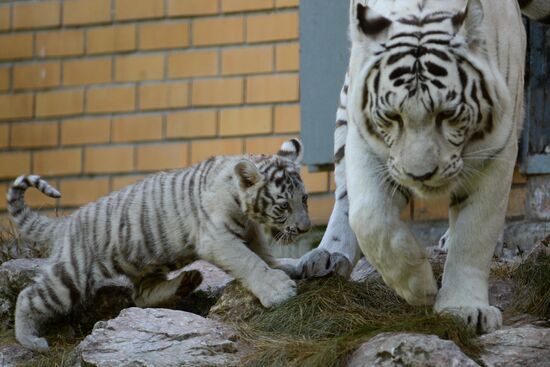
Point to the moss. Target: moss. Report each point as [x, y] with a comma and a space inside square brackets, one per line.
[532, 277]
[332, 317]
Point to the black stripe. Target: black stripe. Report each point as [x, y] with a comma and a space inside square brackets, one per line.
[371, 27]
[63, 275]
[339, 155]
[435, 69]
[524, 3]
[340, 123]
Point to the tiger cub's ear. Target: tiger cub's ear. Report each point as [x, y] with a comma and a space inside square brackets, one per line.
[292, 149]
[248, 173]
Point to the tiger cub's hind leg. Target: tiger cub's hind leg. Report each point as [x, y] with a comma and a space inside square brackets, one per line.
[155, 288]
[55, 292]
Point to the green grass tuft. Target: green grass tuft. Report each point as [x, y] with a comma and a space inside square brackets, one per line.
[332, 317]
[532, 277]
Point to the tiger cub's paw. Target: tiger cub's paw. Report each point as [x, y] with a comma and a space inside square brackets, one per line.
[190, 280]
[277, 288]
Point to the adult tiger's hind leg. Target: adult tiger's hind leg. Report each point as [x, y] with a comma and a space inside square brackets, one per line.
[155, 288]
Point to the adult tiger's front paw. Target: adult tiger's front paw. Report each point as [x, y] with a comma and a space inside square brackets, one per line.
[482, 318]
[276, 289]
[419, 287]
[319, 263]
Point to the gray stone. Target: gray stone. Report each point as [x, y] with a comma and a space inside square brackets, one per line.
[14, 276]
[538, 198]
[363, 271]
[12, 355]
[412, 350]
[160, 337]
[518, 347]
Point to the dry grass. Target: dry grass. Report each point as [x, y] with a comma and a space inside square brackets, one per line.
[331, 317]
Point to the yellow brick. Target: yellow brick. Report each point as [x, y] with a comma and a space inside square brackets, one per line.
[247, 60]
[288, 57]
[518, 177]
[4, 79]
[269, 145]
[89, 131]
[315, 181]
[516, 202]
[59, 103]
[287, 119]
[62, 43]
[15, 106]
[118, 183]
[218, 31]
[30, 135]
[320, 208]
[4, 135]
[137, 128]
[36, 15]
[163, 35]
[272, 27]
[111, 39]
[82, 191]
[36, 75]
[37, 200]
[202, 149]
[3, 204]
[245, 121]
[217, 92]
[244, 5]
[161, 96]
[4, 18]
[138, 68]
[192, 7]
[287, 3]
[14, 164]
[57, 162]
[191, 124]
[117, 99]
[431, 209]
[86, 11]
[160, 157]
[142, 9]
[109, 159]
[16, 46]
[272, 88]
[89, 71]
[190, 64]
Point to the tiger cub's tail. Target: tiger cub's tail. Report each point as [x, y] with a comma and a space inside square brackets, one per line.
[32, 226]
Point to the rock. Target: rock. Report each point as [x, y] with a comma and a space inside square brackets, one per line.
[12, 355]
[518, 347]
[414, 350]
[14, 276]
[363, 271]
[160, 337]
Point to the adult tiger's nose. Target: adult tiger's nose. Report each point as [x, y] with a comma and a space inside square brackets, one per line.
[424, 177]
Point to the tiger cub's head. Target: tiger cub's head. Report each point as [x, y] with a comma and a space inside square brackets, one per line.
[272, 191]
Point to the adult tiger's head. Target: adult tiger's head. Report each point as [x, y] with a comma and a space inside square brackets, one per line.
[273, 192]
[423, 93]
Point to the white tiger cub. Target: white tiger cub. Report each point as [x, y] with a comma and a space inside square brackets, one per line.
[431, 105]
[213, 211]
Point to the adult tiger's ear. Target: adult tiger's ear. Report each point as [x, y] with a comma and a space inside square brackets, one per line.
[469, 23]
[248, 173]
[369, 23]
[293, 150]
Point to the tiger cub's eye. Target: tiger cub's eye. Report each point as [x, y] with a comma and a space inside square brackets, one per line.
[304, 199]
[285, 205]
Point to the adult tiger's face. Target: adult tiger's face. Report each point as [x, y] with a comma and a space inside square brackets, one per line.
[424, 95]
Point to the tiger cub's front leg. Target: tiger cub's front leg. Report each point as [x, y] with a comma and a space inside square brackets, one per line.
[229, 252]
[386, 241]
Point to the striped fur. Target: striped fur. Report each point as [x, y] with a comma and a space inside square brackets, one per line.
[214, 210]
[431, 105]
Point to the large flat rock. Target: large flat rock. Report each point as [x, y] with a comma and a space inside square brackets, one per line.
[160, 337]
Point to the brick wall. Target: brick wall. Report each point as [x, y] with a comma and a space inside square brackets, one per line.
[95, 94]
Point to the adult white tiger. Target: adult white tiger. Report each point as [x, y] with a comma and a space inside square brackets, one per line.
[435, 93]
